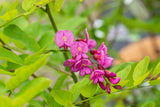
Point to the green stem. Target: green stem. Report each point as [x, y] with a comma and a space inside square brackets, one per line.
[51, 18]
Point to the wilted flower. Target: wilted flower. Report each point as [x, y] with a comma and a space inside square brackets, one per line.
[64, 39]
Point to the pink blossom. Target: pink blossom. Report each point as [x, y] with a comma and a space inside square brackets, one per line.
[96, 76]
[78, 47]
[112, 77]
[69, 62]
[101, 56]
[82, 66]
[64, 39]
[81, 56]
[90, 42]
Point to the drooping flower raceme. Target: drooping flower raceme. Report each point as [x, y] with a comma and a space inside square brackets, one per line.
[82, 63]
[64, 39]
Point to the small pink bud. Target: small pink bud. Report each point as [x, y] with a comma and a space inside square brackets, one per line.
[108, 88]
[117, 87]
[100, 67]
[93, 51]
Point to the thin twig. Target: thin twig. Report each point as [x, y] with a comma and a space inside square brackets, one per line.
[58, 69]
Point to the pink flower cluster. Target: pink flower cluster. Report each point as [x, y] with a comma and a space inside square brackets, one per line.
[81, 62]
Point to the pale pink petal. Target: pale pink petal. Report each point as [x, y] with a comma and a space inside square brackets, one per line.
[59, 38]
[69, 37]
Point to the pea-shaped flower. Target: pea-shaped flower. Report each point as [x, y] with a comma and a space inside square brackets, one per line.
[64, 38]
[78, 47]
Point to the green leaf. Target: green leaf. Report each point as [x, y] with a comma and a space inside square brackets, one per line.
[75, 89]
[149, 104]
[62, 97]
[4, 71]
[46, 38]
[13, 5]
[16, 33]
[5, 101]
[36, 103]
[30, 90]
[49, 100]
[27, 4]
[59, 82]
[141, 79]
[42, 2]
[141, 68]
[3, 90]
[119, 67]
[10, 56]
[89, 90]
[58, 5]
[33, 29]
[24, 72]
[156, 70]
[78, 21]
[9, 15]
[155, 82]
[124, 72]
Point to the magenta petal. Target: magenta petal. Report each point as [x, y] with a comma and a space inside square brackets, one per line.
[87, 37]
[92, 44]
[85, 56]
[88, 70]
[112, 74]
[68, 63]
[108, 88]
[114, 80]
[107, 62]
[95, 80]
[78, 47]
[78, 64]
[69, 37]
[82, 72]
[102, 85]
[100, 78]
[86, 62]
[78, 57]
[92, 75]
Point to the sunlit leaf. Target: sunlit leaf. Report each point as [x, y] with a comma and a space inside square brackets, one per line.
[30, 90]
[16, 33]
[24, 72]
[141, 68]
[10, 56]
[88, 90]
[62, 97]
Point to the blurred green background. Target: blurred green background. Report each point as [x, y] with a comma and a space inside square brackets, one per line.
[129, 28]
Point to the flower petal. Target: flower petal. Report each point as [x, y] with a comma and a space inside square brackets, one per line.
[68, 62]
[102, 85]
[114, 80]
[100, 78]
